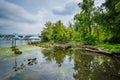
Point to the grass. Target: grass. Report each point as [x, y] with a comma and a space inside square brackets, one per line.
[111, 47]
[75, 42]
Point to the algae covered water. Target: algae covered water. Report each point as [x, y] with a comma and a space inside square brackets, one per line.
[36, 63]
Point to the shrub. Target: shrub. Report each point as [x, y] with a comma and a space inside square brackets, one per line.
[89, 40]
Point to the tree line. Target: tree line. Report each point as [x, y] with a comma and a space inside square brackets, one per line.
[91, 25]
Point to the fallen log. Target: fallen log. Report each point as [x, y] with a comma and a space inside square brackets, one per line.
[99, 52]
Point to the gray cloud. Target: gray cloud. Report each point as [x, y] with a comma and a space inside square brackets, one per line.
[16, 16]
[15, 13]
[68, 9]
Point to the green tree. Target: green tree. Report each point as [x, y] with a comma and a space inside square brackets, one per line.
[71, 34]
[99, 29]
[84, 21]
[87, 7]
[46, 34]
[111, 18]
[59, 32]
[117, 6]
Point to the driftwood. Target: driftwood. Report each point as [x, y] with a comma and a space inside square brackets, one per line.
[66, 46]
[87, 48]
[96, 49]
[99, 52]
[62, 47]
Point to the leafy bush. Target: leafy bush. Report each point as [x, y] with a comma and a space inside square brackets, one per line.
[89, 40]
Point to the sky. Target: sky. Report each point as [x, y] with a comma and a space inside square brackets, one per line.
[29, 16]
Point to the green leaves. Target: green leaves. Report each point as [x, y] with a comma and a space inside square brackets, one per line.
[117, 6]
[57, 32]
[112, 19]
[84, 22]
[92, 24]
[46, 34]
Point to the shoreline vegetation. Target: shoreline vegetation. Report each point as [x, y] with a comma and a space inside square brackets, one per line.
[105, 49]
[94, 29]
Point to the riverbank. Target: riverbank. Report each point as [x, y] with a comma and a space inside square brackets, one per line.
[106, 49]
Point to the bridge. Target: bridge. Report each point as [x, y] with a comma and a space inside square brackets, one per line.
[11, 36]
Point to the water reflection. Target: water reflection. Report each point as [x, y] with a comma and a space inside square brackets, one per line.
[28, 62]
[86, 67]
[16, 67]
[53, 64]
[55, 55]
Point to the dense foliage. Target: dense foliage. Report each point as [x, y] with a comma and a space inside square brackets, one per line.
[91, 25]
[57, 32]
[111, 19]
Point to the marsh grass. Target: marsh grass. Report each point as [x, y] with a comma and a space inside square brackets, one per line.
[111, 47]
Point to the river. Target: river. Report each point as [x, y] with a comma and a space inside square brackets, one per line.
[36, 63]
[8, 43]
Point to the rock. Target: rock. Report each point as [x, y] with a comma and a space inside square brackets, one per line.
[30, 63]
[18, 52]
[29, 59]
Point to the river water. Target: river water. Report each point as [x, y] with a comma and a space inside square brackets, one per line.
[8, 43]
[36, 63]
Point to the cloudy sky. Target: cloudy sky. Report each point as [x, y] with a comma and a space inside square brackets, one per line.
[29, 16]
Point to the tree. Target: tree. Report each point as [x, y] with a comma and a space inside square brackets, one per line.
[87, 7]
[46, 34]
[59, 32]
[111, 18]
[84, 21]
[117, 6]
[71, 34]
